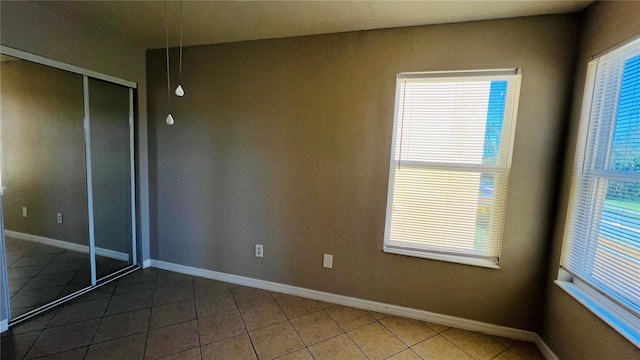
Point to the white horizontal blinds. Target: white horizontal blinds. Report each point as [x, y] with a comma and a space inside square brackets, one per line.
[602, 240]
[450, 162]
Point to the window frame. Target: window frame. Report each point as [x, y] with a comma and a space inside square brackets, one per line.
[621, 318]
[503, 167]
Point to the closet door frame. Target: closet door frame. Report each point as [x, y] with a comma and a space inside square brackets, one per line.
[5, 50]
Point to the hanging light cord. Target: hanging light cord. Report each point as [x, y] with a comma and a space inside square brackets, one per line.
[166, 29]
[180, 76]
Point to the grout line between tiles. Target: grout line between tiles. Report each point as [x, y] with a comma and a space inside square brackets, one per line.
[86, 352]
[101, 318]
[146, 338]
[243, 323]
[309, 351]
[403, 350]
[336, 324]
[343, 333]
[358, 347]
[56, 353]
[168, 356]
[498, 354]
[329, 338]
[415, 353]
[195, 310]
[396, 336]
[290, 324]
[396, 353]
[31, 347]
[118, 337]
[456, 345]
[47, 328]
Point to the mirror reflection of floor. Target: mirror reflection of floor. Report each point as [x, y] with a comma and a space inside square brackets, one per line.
[39, 274]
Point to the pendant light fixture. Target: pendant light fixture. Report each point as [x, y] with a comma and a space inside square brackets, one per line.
[169, 120]
[179, 89]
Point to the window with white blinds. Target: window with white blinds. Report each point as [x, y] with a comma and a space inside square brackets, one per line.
[450, 162]
[602, 238]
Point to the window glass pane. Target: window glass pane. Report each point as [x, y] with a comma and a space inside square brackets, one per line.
[495, 118]
[451, 122]
[430, 205]
[617, 257]
[625, 156]
[485, 210]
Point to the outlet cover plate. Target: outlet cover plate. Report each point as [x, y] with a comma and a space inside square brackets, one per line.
[327, 261]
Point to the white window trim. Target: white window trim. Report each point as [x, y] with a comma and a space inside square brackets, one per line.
[458, 259]
[608, 311]
[508, 136]
[616, 316]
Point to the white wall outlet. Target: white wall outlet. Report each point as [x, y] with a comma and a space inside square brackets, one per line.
[259, 250]
[59, 218]
[327, 261]
[24, 211]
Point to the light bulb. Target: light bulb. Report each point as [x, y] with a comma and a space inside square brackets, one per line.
[170, 120]
[179, 90]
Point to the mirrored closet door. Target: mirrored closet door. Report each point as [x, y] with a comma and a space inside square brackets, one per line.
[66, 172]
[111, 173]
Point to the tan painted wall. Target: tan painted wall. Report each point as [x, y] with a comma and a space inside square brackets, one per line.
[55, 37]
[286, 143]
[570, 329]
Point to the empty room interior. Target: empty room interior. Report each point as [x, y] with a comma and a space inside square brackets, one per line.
[320, 180]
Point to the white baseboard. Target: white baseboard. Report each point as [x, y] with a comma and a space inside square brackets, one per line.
[47, 241]
[67, 245]
[112, 254]
[447, 320]
[545, 350]
[4, 325]
[146, 263]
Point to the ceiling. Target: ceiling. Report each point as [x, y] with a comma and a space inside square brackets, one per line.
[209, 22]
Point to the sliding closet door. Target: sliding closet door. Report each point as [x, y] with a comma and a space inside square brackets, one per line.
[110, 167]
[44, 191]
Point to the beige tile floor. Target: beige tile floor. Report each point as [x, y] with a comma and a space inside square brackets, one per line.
[154, 314]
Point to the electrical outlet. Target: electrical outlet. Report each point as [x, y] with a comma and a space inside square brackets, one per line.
[24, 211]
[327, 261]
[259, 250]
[59, 218]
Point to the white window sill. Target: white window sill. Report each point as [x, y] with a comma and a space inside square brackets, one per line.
[628, 326]
[465, 260]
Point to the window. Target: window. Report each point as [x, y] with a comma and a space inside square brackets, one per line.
[450, 162]
[600, 264]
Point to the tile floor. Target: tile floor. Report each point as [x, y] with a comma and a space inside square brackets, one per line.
[39, 274]
[152, 314]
